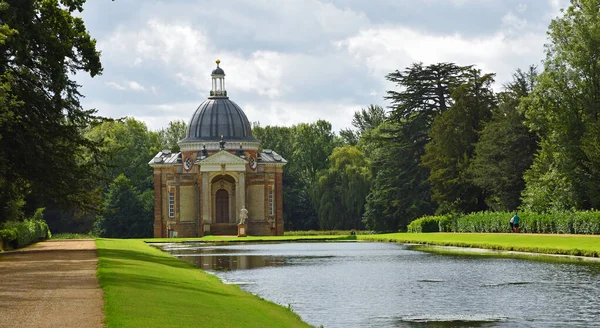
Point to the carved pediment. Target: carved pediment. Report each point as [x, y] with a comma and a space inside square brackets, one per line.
[223, 157]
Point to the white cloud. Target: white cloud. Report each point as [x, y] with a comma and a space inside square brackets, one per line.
[127, 85]
[510, 20]
[384, 49]
[135, 86]
[115, 85]
[297, 61]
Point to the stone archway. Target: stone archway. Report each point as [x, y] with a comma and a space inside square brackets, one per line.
[222, 206]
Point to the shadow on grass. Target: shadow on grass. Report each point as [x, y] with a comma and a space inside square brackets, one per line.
[145, 282]
[129, 255]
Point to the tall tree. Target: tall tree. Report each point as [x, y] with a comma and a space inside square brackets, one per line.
[341, 190]
[400, 192]
[170, 136]
[42, 45]
[127, 148]
[564, 111]
[126, 212]
[307, 147]
[453, 138]
[506, 147]
[363, 120]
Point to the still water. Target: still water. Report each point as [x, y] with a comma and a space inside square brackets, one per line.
[389, 285]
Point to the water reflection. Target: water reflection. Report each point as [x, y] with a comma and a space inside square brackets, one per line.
[229, 262]
[390, 285]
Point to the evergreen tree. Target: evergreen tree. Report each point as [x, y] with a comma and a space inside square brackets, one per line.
[453, 138]
[126, 213]
[506, 147]
[42, 45]
[400, 192]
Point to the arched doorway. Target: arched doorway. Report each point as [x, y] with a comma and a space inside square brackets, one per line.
[222, 206]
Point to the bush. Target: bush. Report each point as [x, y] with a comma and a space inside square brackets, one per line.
[17, 234]
[431, 224]
[581, 222]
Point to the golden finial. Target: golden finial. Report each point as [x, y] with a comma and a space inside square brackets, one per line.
[218, 62]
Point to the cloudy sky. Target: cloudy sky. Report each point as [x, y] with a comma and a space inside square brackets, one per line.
[292, 61]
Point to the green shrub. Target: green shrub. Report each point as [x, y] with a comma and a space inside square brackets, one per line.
[581, 222]
[430, 224]
[17, 234]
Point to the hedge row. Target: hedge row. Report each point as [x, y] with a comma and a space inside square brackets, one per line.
[431, 224]
[582, 222]
[17, 234]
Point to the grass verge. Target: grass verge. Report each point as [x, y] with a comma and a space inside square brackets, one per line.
[70, 235]
[576, 245]
[145, 287]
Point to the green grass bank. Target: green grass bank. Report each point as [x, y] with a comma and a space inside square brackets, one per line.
[576, 245]
[145, 287]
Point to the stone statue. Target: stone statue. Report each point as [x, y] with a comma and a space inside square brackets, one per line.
[222, 143]
[243, 215]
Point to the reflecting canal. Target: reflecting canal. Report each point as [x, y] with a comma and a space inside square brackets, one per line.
[388, 285]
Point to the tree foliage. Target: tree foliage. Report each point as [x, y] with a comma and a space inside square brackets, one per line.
[453, 137]
[363, 121]
[170, 136]
[563, 110]
[42, 45]
[127, 146]
[341, 190]
[126, 212]
[506, 147]
[400, 191]
[307, 147]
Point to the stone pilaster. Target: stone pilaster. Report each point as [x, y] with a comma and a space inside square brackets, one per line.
[158, 224]
[206, 197]
[279, 203]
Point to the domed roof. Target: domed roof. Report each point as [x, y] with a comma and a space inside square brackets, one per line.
[216, 117]
[218, 71]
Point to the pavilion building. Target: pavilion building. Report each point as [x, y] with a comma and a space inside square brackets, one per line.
[219, 171]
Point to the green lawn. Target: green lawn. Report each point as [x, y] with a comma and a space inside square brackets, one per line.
[145, 287]
[583, 245]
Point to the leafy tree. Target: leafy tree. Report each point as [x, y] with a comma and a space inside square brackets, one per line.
[42, 46]
[127, 148]
[126, 213]
[307, 147]
[506, 147]
[363, 121]
[453, 137]
[170, 136]
[341, 190]
[563, 110]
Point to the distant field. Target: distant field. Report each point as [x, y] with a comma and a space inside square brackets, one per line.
[580, 245]
[145, 287]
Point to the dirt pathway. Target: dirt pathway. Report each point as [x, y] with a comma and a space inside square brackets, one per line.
[51, 284]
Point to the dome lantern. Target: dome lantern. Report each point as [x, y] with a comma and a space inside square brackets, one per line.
[218, 119]
[218, 82]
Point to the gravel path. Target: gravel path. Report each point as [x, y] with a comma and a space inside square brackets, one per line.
[51, 284]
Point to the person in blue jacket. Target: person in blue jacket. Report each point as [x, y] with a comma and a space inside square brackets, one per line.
[515, 222]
